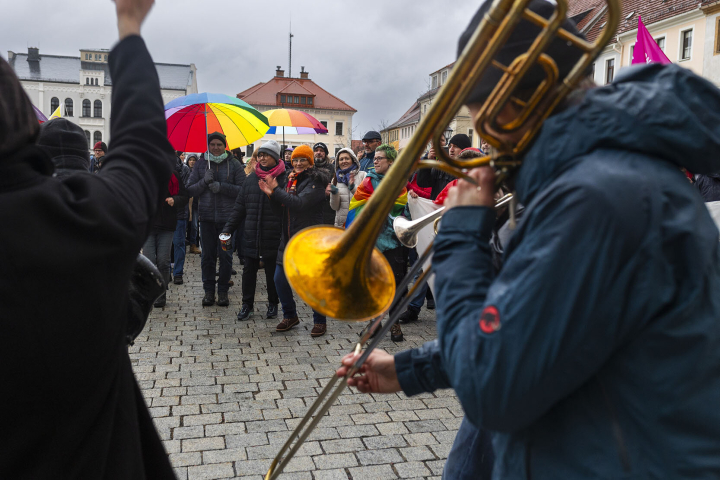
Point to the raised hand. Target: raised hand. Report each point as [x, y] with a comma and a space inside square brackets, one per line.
[131, 14]
[467, 194]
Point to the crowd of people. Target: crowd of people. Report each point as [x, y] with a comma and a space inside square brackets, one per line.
[583, 344]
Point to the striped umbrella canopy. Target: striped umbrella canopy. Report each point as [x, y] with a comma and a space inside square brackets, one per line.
[293, 122]
[191, 118]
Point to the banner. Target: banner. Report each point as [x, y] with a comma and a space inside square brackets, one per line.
[714, 208]
[646, 48]
[420, 207]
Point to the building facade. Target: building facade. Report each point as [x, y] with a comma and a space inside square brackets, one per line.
[307, 96]
[83, 87]
[686, 31]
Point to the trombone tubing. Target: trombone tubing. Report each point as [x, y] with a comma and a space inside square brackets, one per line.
[322, 405]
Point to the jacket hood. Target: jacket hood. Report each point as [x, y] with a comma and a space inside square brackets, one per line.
[71, 162]
[349, 152]
[662, 111]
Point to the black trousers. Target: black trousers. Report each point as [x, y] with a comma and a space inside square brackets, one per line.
[398, 257]
[249, 279]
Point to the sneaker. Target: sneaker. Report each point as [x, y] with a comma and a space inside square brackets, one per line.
[396, 334]
[431, 304]
[408, 316]
[318, 330]
[208, 299]
[178, 280]
[244, 312]
[272, 310]
[194, 249]
[231, 283]
[223, 300]
[287, 324]
[160, 302]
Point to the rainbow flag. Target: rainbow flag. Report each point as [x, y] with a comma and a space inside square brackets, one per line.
[363, 194]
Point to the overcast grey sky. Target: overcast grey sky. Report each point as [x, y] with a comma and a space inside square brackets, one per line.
[375, 55]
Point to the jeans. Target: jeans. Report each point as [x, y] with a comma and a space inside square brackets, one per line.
[397, 257]
[471, 456]
[286, 297]
[179, 243]
[249, 280]
[209, 231]
[157, 250]
[193, 231]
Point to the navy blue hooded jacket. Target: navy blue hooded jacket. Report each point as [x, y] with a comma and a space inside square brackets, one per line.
[595, 352]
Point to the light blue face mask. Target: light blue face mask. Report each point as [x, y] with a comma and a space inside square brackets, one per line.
[218, 159]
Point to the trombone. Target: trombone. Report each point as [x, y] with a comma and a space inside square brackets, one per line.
[330, 268]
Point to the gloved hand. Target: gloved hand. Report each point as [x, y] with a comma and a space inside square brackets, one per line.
[209, 177]
[214, 187]
[333, 189]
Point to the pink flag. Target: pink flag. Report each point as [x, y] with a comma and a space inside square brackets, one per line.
[646, 49]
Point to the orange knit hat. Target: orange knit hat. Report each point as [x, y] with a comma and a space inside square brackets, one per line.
[305, 152]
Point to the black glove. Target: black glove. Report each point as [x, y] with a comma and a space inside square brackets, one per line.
[214, 187]
[146, 285]
[209, 177]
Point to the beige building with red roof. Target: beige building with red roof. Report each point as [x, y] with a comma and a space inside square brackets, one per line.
[303, 94]
[686, 30]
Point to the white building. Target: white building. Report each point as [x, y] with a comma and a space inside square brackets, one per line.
[83, 86]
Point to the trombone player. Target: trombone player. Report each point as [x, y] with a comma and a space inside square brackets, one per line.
[595, 351]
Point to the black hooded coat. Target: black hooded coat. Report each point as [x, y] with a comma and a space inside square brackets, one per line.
[73, 407]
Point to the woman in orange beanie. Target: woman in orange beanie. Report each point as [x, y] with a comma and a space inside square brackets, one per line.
[300, 205]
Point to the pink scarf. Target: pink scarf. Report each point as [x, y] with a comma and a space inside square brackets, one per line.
[275, 172]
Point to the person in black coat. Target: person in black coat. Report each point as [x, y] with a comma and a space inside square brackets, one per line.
[159, 242]
[261, 237]
[215, 182]
[320, 151]
[437, 179]
[64, 289]
[300, 204]
[67, 146]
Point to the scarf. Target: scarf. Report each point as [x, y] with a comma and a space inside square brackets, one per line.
[343, 176]
[363, 194]
[292, 183]
[274, 172]
[218, 159]
[173, 186]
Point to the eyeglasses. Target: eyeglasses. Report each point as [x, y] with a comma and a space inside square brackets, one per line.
[370, 141]
[262, 155]
[380, 158]
[98, 150]
[300, 159]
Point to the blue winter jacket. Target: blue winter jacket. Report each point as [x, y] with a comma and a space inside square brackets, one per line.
[595, 352]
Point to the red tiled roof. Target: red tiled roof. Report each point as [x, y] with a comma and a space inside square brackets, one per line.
[265, 93]
[651, 11]
[414, 111]
[295, 88]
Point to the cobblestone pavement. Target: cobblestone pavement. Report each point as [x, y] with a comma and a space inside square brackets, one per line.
[225, 394]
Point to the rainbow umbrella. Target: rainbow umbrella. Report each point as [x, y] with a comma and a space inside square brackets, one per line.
[293, 122]
[40, 116]
[191, 118]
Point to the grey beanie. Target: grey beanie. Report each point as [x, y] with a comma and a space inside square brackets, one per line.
[272, 148]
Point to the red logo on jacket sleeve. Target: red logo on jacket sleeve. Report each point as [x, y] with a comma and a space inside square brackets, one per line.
[490, 320]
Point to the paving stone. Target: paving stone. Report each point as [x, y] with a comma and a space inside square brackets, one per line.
[378, 457]
[377, 472]
[336, 460]
[411, 469]
[222, 456]
[185, 459]
[207, 472]
[387, 441]
[198, 444]
[342, 446]
[336, 474]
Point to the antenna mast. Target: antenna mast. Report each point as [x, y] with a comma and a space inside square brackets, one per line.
[290, 59]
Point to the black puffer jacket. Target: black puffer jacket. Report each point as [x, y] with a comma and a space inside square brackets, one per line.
[216, 207]
[435, 179]
[301, 209]
[166, 217]
[709, 186]
[263, 225]
[328, 212]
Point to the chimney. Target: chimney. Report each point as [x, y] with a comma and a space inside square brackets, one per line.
[33, 54]
[279, 72]
[303, 73]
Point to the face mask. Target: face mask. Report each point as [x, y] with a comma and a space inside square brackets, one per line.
[217, 159]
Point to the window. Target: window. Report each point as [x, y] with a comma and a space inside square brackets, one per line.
[310, 101]
[297, 99]
[282, 98]
[97, 81]
[338, 128]
[97, 109]
[106, 58]
[434, 81]
[69, 107]
[87, 81]
[686, 45]
[86, 108]
[717, 37]
[609, 71]
[337, 149]
[54, 104]
[250, 149]
[632, 53]
[444, 77]
[324, 123]
[87, 135]
[661, 43]
[470, 134]
[97, 137]
[303, 100]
